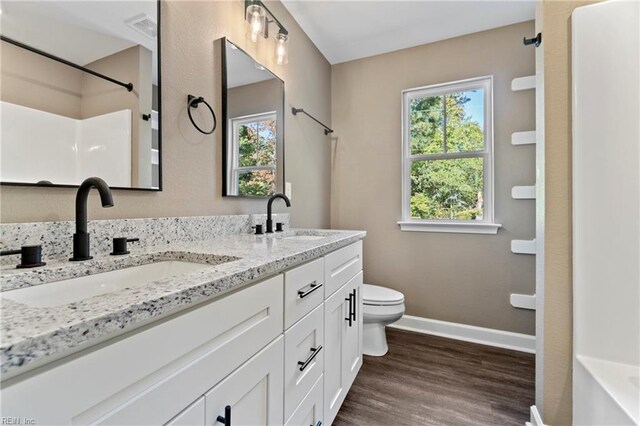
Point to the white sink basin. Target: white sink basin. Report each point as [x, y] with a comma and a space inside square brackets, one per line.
[304, 237]
[76, 289]
[305, 234]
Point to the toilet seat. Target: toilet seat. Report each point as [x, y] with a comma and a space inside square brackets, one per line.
[374, 295]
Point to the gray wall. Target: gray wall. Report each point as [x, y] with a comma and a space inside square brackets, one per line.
[191, 161]
[558, 270]
[461, 278]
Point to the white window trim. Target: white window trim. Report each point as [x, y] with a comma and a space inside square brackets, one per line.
[234, 149]
[485, 226]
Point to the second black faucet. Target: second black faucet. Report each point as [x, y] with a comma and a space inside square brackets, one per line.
[269, 203]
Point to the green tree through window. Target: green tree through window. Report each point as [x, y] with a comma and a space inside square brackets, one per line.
[447, 155]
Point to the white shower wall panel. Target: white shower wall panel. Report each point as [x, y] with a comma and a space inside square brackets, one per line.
[37, 145]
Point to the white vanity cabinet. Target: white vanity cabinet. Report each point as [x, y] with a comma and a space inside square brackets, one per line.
[284, 350]
[253, 392]
[343, 344]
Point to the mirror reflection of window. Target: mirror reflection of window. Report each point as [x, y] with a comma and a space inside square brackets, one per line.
[254, 155]
[253, 126]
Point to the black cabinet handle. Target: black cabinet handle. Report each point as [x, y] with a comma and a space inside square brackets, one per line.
[312, 287]
[349, 315]
[318, 424]
[226, 420]
[304, 364]
[355, 304]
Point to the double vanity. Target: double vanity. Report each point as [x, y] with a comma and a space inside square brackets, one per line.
[196, 329]
[203, 320]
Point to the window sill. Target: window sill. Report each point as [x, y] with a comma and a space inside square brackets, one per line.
[450, 227]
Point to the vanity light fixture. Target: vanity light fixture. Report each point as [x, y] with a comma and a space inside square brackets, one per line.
[258, 18]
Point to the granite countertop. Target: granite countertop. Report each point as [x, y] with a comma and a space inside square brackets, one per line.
[31, 336]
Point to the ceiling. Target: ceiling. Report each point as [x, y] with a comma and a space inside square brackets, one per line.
[78, 31]
[348, 30]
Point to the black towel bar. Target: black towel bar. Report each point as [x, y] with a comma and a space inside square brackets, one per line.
[295, 111]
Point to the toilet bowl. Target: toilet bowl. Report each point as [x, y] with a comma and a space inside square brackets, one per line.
[382, 306]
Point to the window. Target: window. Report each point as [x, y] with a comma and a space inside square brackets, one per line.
[253, 155]
[448, 158]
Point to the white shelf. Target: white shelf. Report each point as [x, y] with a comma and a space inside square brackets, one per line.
[523, 83]
[523, 192]
[523, 138]
[523, 246]
[524, 301]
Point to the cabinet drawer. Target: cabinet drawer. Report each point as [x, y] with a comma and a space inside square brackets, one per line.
[193, 415]
[303, 290]
[309, 412]
[303, 358]
[253, 392]
[150, 374]
[340, 266]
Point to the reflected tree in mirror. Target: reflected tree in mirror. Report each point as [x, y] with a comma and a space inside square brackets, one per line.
[257, 157]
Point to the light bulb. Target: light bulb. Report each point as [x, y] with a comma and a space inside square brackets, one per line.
[255, 16]
[256, 26]
[282, 44]
[280, 52]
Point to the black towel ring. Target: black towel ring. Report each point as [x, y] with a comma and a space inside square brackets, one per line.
[192, 102]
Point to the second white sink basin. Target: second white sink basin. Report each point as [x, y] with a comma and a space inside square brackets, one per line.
[304, 237]
[76, 289]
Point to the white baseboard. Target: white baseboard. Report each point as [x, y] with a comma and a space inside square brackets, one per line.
[536, 419]
[468, 333]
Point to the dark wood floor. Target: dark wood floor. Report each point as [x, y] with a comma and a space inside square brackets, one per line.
[430, 380]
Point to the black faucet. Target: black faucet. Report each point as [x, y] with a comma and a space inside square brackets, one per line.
[271, 200]
[81, 249]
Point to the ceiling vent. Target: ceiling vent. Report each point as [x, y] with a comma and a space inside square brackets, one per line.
[143, 24]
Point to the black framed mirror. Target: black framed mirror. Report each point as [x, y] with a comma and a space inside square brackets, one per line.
[252, 126]
[80, 93]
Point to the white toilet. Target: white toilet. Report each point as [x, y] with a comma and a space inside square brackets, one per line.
[382, 306]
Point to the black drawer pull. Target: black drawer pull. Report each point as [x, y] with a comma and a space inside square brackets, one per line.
[304, 364]
[226, 420]
[318, 424]
[350, 313]
[312, 287]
